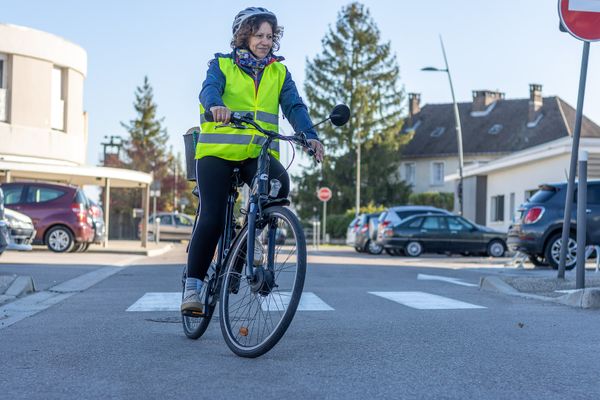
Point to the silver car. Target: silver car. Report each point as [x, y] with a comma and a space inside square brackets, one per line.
[16, 231]
[173, 226]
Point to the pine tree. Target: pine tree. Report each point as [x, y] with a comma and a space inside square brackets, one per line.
[145, 150]
[355, 68]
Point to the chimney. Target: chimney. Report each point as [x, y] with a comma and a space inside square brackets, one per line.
[483, 98]
[414, 107]
[536, 101]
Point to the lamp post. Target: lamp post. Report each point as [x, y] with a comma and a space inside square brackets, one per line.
[458, 126]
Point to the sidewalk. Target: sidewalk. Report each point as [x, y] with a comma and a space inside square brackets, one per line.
[542, 284]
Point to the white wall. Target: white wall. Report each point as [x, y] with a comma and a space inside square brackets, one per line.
[518, 180]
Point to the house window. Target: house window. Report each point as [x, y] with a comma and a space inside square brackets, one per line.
[437, 173]
[409, 173]
[3, 89]
[497, 208]
[58, 99]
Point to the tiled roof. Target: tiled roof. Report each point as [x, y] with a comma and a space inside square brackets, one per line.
[514, 135]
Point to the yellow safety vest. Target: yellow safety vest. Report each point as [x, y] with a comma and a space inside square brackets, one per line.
[241, 96]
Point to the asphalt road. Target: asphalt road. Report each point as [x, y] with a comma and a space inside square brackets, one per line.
[364, 346]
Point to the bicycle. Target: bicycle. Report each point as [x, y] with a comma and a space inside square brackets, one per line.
[257, 296]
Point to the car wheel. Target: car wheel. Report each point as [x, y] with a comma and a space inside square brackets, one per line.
[538, 260]
[552, 252]
[59, 239]
[358, 249]
[496, 248]
[413, 249]
[374, 248]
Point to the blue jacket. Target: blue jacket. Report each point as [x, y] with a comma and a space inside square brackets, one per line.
[290, 101]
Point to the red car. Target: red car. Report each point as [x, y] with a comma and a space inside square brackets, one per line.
[60, 213]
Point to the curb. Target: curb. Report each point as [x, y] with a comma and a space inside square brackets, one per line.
[148, 253]
[588, 298]
[16, 286]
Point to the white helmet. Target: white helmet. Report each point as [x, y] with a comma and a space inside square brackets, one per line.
[247, 13]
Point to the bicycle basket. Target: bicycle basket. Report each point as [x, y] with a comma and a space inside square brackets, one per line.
[190, 138]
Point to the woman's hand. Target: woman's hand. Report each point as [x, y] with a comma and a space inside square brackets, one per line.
[318, 149]
[221, 114]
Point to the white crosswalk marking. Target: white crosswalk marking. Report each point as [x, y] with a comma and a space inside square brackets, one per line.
[308, 302]
[157, 302]
[425, 301]
[171, 301]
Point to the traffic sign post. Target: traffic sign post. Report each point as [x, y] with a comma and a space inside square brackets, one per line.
[324, 194]
[581, 18]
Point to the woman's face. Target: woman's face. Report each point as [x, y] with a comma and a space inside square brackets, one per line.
[261, 42]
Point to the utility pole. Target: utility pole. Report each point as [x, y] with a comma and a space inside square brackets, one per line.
[114, 142]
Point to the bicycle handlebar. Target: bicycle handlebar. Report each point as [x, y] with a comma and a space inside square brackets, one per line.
[238, 119]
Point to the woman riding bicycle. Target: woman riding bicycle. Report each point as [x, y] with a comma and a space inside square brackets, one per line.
[251, 79]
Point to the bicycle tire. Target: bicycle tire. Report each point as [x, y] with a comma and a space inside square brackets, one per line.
[194, 327]
[233, 322]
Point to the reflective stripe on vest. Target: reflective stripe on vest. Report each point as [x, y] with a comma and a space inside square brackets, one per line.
[240, 95]
[219, 138]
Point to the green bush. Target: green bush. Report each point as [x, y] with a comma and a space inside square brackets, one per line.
[435, 199]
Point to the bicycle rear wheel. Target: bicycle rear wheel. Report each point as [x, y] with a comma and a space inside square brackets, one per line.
[255, 314]
[194, 327]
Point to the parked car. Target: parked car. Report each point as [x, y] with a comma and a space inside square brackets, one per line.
[16, 229]
[538, 230]
[362, 240]
[351, 232]
[427, 233]
[173, 226]
[59, 213]
[394, 216]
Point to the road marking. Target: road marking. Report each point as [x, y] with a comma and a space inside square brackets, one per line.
[456, 281]
[171, 301]
[425, 301]
[308, 302]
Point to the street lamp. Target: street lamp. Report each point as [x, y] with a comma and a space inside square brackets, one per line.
[458, 126]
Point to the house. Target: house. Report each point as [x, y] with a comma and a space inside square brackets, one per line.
[43, 126]
[510, 146]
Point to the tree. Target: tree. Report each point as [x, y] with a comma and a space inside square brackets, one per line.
[357, 69]
[144, 150]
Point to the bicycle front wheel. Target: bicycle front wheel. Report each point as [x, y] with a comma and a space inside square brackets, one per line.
[256, 313]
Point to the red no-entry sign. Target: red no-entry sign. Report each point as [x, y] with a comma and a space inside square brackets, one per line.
[324, 194]
[581, 18]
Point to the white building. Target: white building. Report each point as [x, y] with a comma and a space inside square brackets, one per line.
[43, 126]
[510, 147]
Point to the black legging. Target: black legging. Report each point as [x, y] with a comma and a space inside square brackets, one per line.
[213, 176]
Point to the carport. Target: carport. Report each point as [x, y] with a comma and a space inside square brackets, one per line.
[85, 175]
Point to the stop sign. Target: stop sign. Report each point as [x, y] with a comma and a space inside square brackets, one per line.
[581, 18]
[324, 194]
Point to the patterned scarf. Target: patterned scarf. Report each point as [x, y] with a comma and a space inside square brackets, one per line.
[245, 58]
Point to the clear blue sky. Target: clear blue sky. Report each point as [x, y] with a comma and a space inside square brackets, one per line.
[501, 45]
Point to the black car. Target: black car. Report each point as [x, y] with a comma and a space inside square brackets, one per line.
[538, 230]
[362, 240]
[394, 216]
[445, 234]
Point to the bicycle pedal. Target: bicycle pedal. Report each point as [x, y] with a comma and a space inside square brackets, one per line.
[193, 314]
